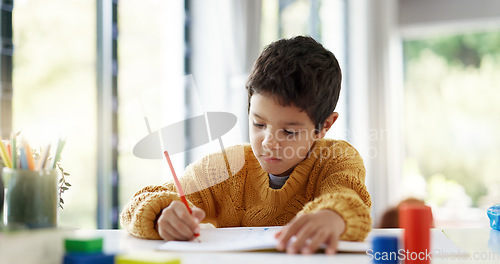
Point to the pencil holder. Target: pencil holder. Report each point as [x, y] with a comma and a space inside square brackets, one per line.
[31, 198]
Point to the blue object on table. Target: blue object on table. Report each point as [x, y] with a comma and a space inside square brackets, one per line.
[385, 249]
[494, 241]
[82, 258]
[494, 215]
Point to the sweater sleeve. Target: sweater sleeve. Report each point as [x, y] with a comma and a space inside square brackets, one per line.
[139, 215]
[342, 189]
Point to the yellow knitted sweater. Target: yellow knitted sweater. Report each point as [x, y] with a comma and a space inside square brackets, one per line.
[331, 177]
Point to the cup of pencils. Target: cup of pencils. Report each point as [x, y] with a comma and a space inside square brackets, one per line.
[30, 183]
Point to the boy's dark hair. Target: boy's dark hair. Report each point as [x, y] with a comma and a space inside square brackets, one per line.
[298, 71]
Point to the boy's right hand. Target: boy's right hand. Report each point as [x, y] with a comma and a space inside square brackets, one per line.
[175, 222]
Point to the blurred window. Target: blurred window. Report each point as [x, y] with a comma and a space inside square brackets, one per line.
[452, 133]
[54, 92]
[151, 63]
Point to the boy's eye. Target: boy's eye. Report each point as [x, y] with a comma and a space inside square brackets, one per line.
[290, 132]
[258, 125]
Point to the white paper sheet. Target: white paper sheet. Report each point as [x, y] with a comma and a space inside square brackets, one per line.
[244, 239]
[443, 247]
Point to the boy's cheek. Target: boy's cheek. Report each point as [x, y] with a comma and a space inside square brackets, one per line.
[253, 132]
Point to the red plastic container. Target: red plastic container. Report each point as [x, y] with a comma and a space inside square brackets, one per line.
[416, 220]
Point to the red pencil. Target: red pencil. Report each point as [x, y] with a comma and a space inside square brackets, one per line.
[9, 151]
[178, 185]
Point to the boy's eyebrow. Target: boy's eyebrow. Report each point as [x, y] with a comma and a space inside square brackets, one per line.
[258, 116]
[293, 123]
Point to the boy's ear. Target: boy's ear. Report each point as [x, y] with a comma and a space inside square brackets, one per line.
[327, 124]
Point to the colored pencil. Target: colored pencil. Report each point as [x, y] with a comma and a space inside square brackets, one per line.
[29, 155]
[23, 159]
[178, 185]
[14, 151]
[4, 155]
[43, 158]
[57, 156]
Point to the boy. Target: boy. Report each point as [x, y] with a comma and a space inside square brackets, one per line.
[292, 176]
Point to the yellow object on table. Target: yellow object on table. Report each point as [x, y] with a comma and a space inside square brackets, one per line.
[147, 257]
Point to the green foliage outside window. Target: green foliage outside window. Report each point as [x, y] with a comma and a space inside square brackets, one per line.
[452, 131]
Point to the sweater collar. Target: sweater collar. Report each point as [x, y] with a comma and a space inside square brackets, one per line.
[298, 178]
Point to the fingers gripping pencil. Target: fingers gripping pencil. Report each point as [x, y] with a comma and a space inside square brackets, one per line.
[178, 186]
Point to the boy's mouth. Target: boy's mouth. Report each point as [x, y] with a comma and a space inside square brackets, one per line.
[270, 160]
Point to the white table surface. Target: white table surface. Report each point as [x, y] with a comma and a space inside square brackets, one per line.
[482, 246]
[117, 241]
[46, 247]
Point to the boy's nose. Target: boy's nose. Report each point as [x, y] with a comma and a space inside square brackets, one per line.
[270, 141]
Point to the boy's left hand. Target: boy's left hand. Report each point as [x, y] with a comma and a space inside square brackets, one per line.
[311, 231]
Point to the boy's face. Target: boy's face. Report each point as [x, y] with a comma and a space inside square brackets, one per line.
[281, 136]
